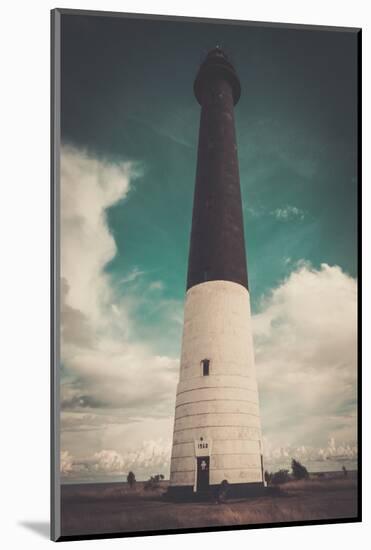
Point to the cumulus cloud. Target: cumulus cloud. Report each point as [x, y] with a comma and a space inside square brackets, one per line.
[152, 456]
[333, 452]
[108, 379]
[120, 375]
[305, 339]
[108, 461]
[89, 186]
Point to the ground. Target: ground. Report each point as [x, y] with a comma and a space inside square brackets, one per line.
[114, 507]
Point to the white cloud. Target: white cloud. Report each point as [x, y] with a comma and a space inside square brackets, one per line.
[156, 285]
[109, 379]
[306, 354]
[277, 457]
[150, 457]
[88, 187]
[288, 213]
[132, 276]
[108, 461]
[116, 375]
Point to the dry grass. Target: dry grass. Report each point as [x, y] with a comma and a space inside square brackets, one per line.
[114, 507]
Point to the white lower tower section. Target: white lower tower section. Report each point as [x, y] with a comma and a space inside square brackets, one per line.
[217, 414]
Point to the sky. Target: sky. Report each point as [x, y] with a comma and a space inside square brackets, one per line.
[128, 159]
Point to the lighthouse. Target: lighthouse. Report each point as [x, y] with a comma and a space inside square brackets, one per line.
[217, 431]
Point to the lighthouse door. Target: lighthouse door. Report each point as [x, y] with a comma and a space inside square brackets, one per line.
[203, 463]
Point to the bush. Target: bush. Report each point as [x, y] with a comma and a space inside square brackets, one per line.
[298, 470]
[282, 476]
[222, 491]
[153, 482]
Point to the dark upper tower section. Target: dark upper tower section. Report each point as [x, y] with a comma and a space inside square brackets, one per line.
[217, 250]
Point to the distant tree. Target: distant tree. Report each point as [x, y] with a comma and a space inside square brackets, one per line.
[153, 482]
[298, 470]
[280, 477]
[130, 478]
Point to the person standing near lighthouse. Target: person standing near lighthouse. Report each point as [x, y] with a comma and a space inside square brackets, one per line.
[217, 431]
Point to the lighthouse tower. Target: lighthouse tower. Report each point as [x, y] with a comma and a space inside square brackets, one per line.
[217, 434]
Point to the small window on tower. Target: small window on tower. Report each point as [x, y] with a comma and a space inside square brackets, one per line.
[205, 363]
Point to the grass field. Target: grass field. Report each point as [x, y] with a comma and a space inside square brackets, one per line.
[114, 507]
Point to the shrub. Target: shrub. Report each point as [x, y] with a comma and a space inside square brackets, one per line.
[298, 470]
[282, 476]
[222, 491]
[153, 482]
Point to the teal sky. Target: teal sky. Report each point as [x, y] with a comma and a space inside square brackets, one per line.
[127, 94]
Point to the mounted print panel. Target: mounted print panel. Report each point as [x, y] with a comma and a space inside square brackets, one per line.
[205, 191]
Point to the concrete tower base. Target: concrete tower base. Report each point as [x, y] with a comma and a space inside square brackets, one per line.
[217, 433]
